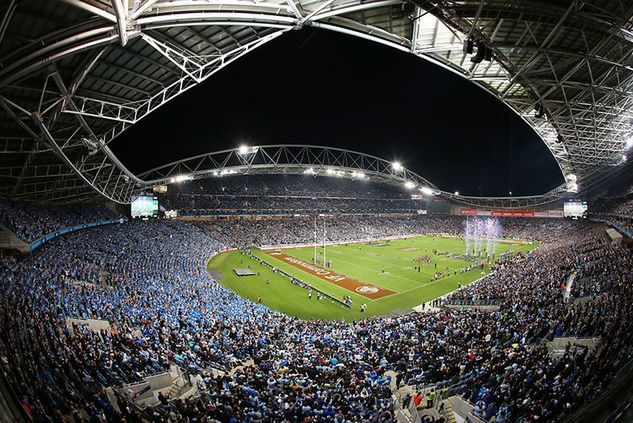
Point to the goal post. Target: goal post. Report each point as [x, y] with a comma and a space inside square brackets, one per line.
[318, 260]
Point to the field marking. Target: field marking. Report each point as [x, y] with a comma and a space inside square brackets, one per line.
[359, 287]
[378, 271]
[426, 271]
[373, 270]
[450, 260]
[412, 296]
[419, 287]
[444, 279]
[420, 284]
[371, 254]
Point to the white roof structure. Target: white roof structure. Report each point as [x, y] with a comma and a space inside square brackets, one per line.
[75, 74]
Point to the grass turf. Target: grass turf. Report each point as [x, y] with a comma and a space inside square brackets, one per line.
[364, 262]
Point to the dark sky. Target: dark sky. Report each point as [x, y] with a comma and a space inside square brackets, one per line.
[319, 87]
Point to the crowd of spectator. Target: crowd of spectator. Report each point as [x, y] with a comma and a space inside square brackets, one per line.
[343, 229]
[32, 221]
[617, 206]
[166, 308]
[615, 210]
[293, 185]
[282, 194]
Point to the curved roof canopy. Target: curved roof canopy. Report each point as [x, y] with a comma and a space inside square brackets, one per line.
[75, 74]
[293, 159]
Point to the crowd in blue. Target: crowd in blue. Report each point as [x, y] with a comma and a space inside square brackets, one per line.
[33, 221]
[165, 308]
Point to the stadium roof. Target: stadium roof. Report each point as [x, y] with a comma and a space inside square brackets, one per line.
[75, 74]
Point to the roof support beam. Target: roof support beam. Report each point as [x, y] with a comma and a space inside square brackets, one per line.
[476, 18]
[294, 9]
[533, 51]
[142, 8]
[121, 18]
[92, 9]
[186, 64]
[316, 11]
[6, 18]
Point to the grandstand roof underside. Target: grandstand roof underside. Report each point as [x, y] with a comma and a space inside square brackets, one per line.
[75, 74]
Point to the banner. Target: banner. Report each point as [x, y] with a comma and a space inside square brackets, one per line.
[513, 213]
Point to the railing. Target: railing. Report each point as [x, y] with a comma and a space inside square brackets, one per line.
[473, 303]
[38, 242]
[620, 228]
[270, 214]
[122, 395]
[411, 408]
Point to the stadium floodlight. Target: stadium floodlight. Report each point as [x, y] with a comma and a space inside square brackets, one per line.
[427, 191]
[409, 185]
[624, 157]
[309, 171]
[245, 149]
[181, 178]
[456, 192]
[572, 185]
[225, 172]
[397, 166]
[330, 171]
[629, 142]
[358, 174]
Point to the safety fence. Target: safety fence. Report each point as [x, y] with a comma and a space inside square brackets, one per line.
[39, 242]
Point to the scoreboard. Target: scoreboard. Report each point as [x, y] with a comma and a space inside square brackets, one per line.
[145, 206]
[575, 208]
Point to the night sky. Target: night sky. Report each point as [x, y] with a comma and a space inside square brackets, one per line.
[318, 87]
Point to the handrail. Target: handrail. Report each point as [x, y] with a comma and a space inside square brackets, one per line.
[620, 228]
[41, 240]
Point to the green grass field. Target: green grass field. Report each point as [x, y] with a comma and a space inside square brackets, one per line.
[364, 262]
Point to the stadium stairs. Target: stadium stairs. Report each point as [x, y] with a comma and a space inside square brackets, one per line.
[463, 409]
[173, 383]
[10, 241]
[450, 414]
[411, 414]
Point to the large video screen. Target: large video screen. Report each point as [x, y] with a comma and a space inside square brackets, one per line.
[145, 206]
[574, 208]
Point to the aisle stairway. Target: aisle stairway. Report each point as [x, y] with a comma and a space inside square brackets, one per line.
[450, 415]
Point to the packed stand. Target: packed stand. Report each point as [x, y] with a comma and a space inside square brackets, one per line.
[32, 221]
[282, 194]
[616, 205]
[301, 230]
[166, 308]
